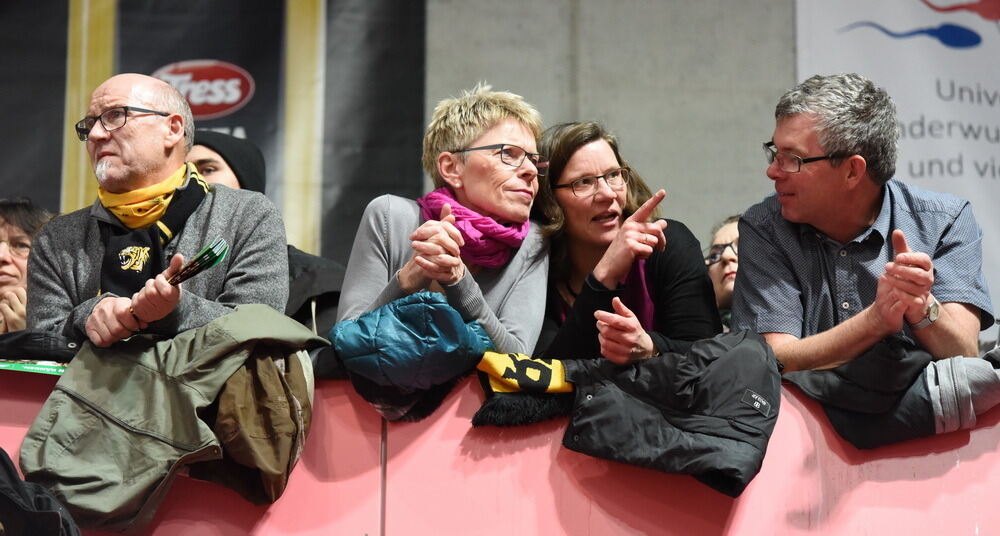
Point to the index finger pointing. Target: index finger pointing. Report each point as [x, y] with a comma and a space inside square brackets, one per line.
[647, 208]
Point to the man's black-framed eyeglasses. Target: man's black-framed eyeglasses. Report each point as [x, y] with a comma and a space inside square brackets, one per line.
[790, 163]
[588, 186]
[512, 155]
[111, 119]
[716, 252]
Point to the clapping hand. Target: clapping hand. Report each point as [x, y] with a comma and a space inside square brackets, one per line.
[912, 276]
[904, 288]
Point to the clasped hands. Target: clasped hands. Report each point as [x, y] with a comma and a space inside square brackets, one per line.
[12, 310]
[436, 255]
[116, 318]
[904, 288]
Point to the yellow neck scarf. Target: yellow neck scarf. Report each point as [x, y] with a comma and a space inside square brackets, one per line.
[140, 208]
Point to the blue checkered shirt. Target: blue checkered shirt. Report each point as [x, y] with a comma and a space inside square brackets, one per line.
[793, 279]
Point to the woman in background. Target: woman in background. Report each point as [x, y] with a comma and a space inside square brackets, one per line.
[620, 285]
[20, 220]
[723, 261]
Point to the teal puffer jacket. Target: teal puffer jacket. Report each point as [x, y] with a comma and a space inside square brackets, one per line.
[413, 343]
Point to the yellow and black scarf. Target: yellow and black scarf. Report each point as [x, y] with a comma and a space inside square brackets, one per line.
[151, 217]
[512, 373]
[521, 389]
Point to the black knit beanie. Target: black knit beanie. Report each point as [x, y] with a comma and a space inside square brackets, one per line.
[243, 157]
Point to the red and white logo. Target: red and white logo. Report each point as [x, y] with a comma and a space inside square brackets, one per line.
[213, 88]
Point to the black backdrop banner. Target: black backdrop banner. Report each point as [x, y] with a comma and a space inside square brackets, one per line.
[230, 58]
[32, 85]
[224, 56]
[374, 102]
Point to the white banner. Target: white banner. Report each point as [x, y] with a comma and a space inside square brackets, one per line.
[939, 60]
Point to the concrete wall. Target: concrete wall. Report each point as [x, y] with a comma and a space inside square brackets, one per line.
[688, 85]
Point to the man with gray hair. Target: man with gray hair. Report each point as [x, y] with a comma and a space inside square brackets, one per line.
[842, 256]
[102, 272]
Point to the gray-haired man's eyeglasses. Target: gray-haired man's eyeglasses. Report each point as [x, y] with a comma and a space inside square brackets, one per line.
[790, 163]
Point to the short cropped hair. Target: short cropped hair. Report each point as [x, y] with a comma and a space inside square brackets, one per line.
[458, 121]
[559, 143]
[854, 117]
[24, 215]
[165, 97]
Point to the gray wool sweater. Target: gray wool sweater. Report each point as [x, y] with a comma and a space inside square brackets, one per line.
[508, 302]
[64, 267]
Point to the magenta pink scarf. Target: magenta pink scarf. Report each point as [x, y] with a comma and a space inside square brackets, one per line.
[487, 243]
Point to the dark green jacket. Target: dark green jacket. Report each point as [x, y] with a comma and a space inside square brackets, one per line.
[122, 420]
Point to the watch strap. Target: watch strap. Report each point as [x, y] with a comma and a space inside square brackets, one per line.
[924, 322]
[930, 315]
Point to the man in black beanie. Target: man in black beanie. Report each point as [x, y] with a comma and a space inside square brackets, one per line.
[224, 159]
[239, 164]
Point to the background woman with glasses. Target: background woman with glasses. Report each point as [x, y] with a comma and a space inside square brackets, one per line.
[723, 261]
[621, 284]
[20, 220]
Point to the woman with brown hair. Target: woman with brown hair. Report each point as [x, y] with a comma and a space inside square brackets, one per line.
[621, 284]
[20, 220]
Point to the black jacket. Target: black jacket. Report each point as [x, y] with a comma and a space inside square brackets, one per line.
[312, 277]
[708, 413]
[877, 398]
[679, 288]
[27, 509]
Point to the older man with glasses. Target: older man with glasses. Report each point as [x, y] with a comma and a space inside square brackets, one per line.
[101, 272]
[843, 260]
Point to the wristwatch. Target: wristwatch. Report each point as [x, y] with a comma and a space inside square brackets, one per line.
[930, 315]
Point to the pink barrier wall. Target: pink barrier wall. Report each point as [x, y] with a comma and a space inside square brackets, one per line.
[444, 477]
[333, 490]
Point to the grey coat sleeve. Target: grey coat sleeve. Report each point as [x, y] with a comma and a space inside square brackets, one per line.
[511, 311]
[512, 315]
[255, 269]
[371, 279]
[52, 287]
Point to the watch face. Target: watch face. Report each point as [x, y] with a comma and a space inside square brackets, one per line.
[933, 310]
